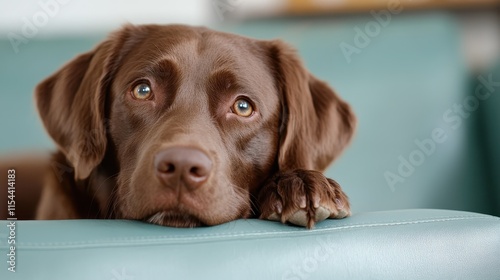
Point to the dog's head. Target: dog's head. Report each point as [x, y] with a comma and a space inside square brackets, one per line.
[194, 120]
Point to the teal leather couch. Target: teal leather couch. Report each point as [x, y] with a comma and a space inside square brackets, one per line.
[400, 244]
[403, 86]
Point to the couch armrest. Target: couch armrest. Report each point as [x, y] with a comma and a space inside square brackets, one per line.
[406, 244]
[489, 82]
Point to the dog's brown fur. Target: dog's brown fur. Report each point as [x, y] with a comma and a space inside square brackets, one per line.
[265, 165]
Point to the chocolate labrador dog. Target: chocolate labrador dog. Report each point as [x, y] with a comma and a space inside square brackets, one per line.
[185, 126]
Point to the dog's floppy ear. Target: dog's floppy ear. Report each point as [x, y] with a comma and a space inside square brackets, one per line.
[316, 124]
[71, 103]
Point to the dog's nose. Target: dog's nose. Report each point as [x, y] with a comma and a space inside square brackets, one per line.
[182, 164]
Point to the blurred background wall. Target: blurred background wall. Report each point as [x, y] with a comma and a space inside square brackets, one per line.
[412, 71]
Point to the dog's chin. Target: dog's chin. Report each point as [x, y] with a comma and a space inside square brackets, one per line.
[173, 219]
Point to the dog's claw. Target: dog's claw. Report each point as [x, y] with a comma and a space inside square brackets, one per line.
[318, 198]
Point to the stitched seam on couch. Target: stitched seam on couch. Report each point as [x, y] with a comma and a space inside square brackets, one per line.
[178, 239]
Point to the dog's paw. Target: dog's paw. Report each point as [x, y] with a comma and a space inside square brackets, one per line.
[302, 197]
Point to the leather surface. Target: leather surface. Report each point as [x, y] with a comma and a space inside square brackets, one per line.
[406, 244]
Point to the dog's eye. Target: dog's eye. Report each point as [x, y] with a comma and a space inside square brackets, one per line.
[142, 91]
[242, 108]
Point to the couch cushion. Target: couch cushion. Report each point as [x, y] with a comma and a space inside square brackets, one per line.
[407, 244]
